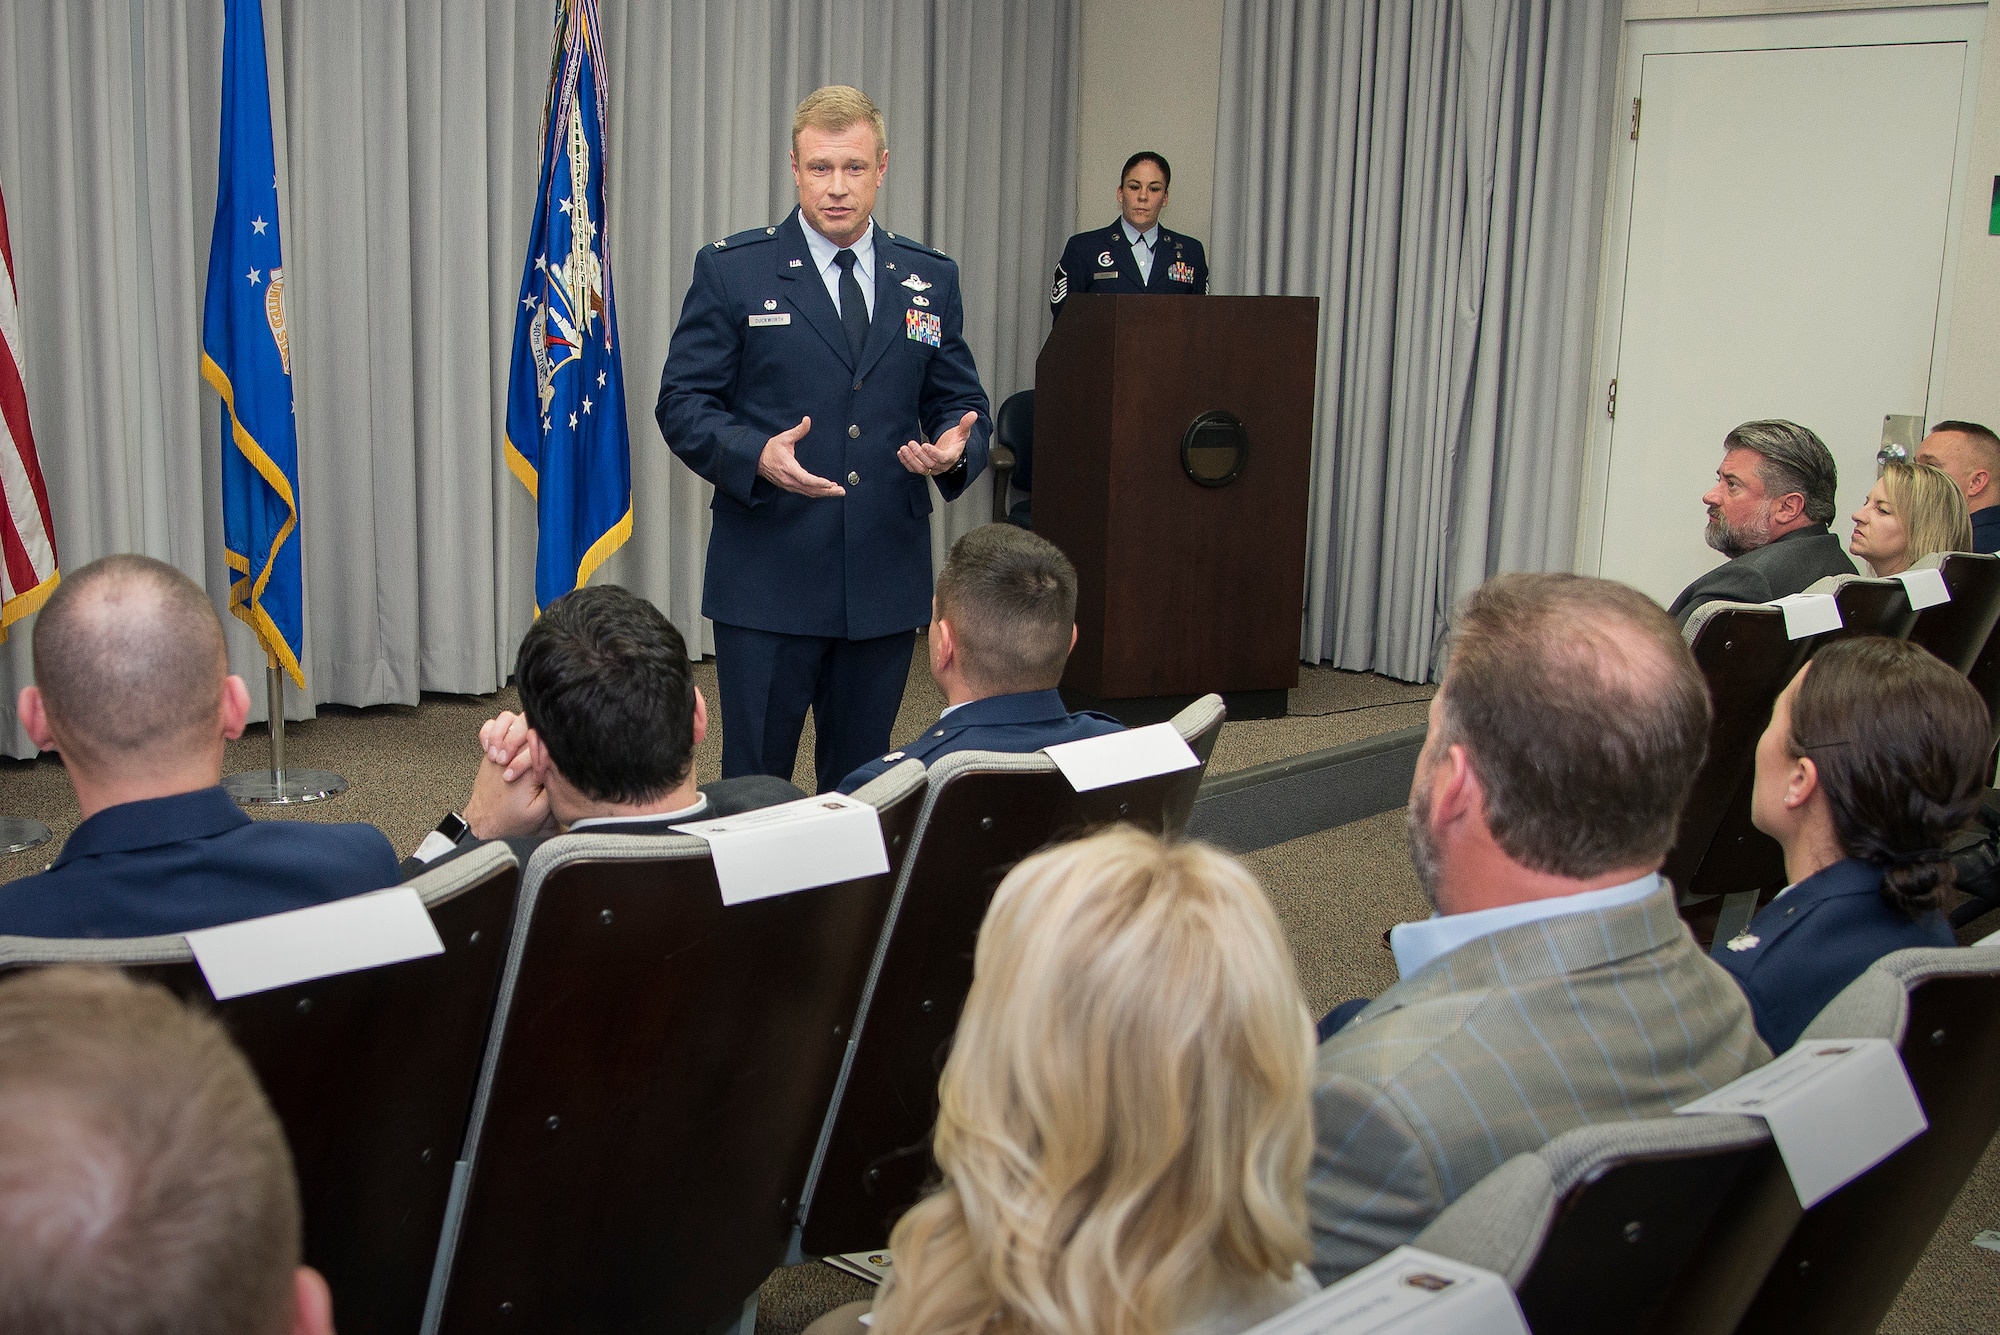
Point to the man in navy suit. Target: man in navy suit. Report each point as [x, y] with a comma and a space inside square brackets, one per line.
[1134, 254]
[610, 717]
[819, 378]
[1002, 627]
[135, 692]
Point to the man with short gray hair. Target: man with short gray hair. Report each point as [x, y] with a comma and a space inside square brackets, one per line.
[1768, 513]
[1557, 985]
[134, 692]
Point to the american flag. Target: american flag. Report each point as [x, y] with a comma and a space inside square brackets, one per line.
[27, 538]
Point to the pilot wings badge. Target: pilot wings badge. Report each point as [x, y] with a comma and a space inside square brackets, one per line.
[916, 284]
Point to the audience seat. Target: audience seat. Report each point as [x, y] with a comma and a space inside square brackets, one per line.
[984, 813]
[659, 1068]
[1746, 660]
[1723, 882]
[1848, 1258]
[1665, 1225]
[1957, 631]
[1014, 431]
[371, 1075]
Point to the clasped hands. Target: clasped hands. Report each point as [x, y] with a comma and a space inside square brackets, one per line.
[779, 463]
[509, 796]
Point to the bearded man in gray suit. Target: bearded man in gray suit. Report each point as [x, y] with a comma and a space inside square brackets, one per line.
[1557, 986]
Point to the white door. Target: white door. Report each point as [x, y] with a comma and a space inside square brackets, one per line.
[1783, 225]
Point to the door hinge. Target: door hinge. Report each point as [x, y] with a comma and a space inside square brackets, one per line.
[1635, 120]
[1611, 400]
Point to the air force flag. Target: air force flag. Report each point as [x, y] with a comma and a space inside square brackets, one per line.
[566, 436]
[245, 355]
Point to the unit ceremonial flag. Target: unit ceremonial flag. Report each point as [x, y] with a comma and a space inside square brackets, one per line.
[566, 437]
[246, 356]
[27, 538]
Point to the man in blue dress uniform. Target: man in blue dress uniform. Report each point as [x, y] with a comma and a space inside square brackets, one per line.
[819, 378]
[1001, 632]
[1134, 254]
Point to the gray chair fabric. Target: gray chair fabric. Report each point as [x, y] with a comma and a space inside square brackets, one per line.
[434, 887]
[1501, 1224]
[1877, 1004]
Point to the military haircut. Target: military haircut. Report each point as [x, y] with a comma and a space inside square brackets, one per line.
[836, 107]
[145, 1185]
[130, 660]
[1011, 600]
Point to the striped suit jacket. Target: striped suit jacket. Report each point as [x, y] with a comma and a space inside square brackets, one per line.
[1497, 1047]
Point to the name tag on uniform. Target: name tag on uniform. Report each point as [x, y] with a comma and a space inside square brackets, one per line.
[1101, 274]
[761, 321]
[923, 327]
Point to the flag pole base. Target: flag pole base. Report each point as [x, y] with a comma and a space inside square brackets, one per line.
[18, 835]
[278, 785]
[262, 787]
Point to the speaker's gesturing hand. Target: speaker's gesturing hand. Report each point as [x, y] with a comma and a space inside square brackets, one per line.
[779, 465]
[931, 460]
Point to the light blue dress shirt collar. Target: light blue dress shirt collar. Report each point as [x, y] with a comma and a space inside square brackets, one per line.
[823, 252]
[1133, 235]
[1418, 943]
[690, 812]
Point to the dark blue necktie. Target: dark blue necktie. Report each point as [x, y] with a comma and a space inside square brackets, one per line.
[853, 307]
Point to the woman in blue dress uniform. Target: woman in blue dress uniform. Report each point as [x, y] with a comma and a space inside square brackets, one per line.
[1875, 757]
[1135, 253]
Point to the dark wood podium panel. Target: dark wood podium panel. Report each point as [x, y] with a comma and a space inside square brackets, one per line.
[1182, 588]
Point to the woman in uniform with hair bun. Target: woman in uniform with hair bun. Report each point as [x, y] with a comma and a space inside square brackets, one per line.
[1875, 756]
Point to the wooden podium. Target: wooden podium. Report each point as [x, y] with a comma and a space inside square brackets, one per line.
[1183, 587]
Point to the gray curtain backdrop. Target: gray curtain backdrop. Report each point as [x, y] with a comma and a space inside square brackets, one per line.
[1433, 171]
[406, 135]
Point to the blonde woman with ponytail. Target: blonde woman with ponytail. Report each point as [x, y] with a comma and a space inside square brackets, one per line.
[1125, 1123]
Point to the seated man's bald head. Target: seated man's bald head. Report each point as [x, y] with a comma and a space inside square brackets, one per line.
[130, 661]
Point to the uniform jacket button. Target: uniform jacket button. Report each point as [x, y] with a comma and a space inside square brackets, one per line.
[854, 433]
[854, 479]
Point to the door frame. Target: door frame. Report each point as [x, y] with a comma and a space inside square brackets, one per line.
[1895, 26]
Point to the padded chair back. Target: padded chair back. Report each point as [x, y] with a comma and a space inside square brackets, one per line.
[1850, 1255]
[659, 1068]
[985, 812]
[1867, 607]
[1745, 658]
[1739, 860]
[1014, 427]
[371, 1075]
[1958, 630]
[1662, 1225]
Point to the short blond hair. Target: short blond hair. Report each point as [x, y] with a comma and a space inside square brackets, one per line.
[144, 1183]
[1932, 508]
[1125, 1120]
[836, 107]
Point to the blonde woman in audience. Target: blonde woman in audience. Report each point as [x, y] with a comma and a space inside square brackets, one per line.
[1124, 1127]
[1912, 511]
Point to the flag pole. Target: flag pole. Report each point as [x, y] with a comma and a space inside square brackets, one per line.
[279, 786]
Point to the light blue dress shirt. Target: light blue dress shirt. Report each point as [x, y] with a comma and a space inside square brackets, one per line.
[1142, 244]
[823, 252]
[1418, 943]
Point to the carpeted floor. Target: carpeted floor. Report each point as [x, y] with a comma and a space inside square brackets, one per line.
[1335, 891]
